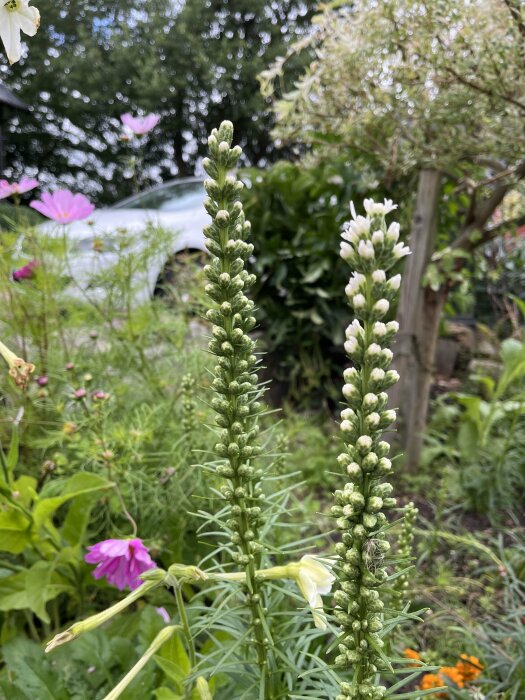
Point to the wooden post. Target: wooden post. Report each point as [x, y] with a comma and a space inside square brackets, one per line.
[418, 315]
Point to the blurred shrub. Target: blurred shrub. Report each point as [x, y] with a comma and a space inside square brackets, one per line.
[479, 437]
[296, 214]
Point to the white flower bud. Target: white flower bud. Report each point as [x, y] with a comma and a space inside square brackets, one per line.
[379, 276]
[354, 283]
[348, 414]
[392, 326]
[351, 345]
[387, 355]
[384, 465]
[346, 426]
[392, 376]
[345, 251]
[373, 349]
[378, 238]
[350, 375]
[370, 400]
[349, 391]
[394, 282]
[381, 306]
[349, 233]
[390, 415]
[373, 419]
[400, 251]
[354, 330]
[392, 234]
[365, 250]
[359, 301]
[379, 329]
[364, 443]
[377, 374]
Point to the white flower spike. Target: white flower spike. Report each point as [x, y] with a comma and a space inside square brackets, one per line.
[315, 579]
[16, 16]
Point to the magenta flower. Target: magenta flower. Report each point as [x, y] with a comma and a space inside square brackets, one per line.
[80, 394]
[120, 561]
[26, 272]
[63, 206]
[42, 380]
[140, 125]
[26, 183]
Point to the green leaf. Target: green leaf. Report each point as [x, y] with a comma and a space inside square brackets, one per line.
[167, 694]
[14, 531]
[32, 673]
[77, 485]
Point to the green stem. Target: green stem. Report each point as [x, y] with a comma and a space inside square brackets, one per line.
[185, 626]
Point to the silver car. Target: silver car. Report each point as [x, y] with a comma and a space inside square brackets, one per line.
[175, 207]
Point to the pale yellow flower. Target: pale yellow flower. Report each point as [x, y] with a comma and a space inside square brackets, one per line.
[16, 16]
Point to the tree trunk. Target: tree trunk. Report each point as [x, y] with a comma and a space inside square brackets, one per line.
[418, 315]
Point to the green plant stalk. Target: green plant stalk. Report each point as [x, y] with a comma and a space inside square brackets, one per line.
[371, 250]
[236, 381]
[404, 550]
[181, 606]
[161, 638]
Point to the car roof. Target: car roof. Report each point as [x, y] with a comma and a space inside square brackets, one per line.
[157, 188]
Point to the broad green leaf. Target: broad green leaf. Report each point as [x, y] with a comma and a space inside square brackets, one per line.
[32, 673]
[167, 694]
[77, 485]
[14, 531]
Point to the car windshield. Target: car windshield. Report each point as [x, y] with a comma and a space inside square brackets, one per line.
[176, 197]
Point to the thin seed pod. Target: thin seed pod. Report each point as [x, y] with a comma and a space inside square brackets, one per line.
[236, 382]
[360, 507]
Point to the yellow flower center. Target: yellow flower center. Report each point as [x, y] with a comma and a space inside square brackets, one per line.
[12, 5]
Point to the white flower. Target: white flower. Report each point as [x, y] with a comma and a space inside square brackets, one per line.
[392, 326]
[394, 282]
[351, 345]
[354, 329]
[377, 374]
[345, 251]
[358, 301]
[354, 283]
[349, 391]
[374, 208]
[364, 443]
[393, 232]
[378, 238]
[17, 16]
[373, 349]
[350, 374]
[315, 579]
[373, 419]
[370, 400]
[365, 250]
[347, 426]
[390, 415]
[379, 276]
[379, 329]
[381, 306]
[400, 250]
[347, 414]
[387, 355]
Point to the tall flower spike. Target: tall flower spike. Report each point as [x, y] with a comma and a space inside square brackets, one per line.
[360, 506]
[236, 381]
[404, 552]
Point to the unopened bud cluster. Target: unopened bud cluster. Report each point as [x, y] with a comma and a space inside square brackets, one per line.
[372, 249]
[235, 380]
[404, 553]
[189, 422]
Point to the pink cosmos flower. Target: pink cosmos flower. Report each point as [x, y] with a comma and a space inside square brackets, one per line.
[63, 206]
[120, 561]
[25, 184]
[26, 272]
[140, 125]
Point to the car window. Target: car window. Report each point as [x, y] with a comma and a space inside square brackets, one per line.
[176, 197]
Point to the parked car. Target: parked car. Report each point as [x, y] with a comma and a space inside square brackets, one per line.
[175, 206]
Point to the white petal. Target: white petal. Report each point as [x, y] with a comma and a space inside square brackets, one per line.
[28, 19]
[10, 35]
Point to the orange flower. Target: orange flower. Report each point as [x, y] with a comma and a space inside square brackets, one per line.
[411, 654]
[432, 680]
[470, 667]
[454, 674]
